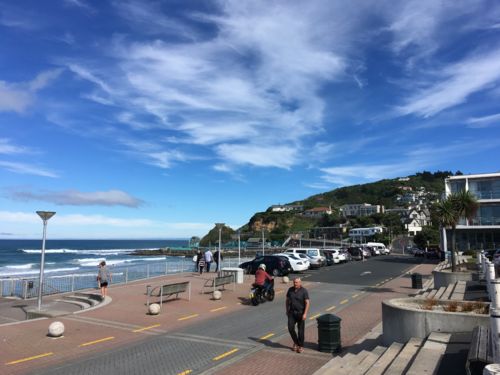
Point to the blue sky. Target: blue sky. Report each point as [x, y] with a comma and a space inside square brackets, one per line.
[156, 119]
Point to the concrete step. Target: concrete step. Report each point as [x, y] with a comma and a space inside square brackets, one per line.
[458, 291]
[347, 366]
[432, 294]
[80, 304]
[405, 358]
[385, 359]
[92, 296]
[429, 356]
[73, 298]
[369, 360]
[449, 291]
[440, 292]
[333, 366]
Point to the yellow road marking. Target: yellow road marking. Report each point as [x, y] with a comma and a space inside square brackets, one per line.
[344, 301]
[218, 309]
[267, 336]
[188, 317]
[96, 341]
[29, 358]
[330, 308]
[355, 295]
[225, 354]
[185, 372]
[146, 328]
[314, 316]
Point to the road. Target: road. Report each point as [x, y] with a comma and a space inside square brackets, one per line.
[203, 347]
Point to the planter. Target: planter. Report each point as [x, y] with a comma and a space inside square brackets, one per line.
[403, 318]
[446, 277]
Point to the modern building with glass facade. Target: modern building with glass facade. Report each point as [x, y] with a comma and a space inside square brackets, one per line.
[483, 231]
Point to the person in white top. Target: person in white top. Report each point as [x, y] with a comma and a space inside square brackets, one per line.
[208, 259]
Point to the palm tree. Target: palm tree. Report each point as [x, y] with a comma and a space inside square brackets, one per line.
[449, 211]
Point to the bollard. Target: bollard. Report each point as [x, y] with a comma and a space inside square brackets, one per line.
[329, 333]
[495, 334]
[483, 264]
[416, 281]
[495, 294]
[56, 329]
[490, 276]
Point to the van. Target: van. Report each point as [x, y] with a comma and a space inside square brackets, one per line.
[379, 246]
[317, 260]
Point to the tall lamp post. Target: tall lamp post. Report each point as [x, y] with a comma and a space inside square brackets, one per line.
[239, 247]
[219, 225]
[45, 216]
[263, 241]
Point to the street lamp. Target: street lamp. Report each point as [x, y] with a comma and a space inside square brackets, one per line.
[45, 216]
[263, 241]
[239, 247]
[219, 225]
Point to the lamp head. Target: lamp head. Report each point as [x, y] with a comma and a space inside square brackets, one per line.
[45, 215]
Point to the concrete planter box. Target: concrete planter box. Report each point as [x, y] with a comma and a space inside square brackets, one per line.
[402, 319]
[446, 277]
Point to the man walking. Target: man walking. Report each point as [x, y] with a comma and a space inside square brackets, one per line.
[297, 307]
[208, 259]
[218, 256]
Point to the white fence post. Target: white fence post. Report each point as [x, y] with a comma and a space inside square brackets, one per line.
[495, 333]
[490, 276]
[126, 275]
[495, 294]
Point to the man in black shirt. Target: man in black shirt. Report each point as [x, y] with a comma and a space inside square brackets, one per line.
[297, 307]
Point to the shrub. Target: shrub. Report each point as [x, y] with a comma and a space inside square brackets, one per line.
[429, 304]
[451, 307]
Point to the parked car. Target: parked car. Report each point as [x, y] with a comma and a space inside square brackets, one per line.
[305, 258]
[275, 265]
[346, 254]
[298, 264]
[419, 252]
[433, 253]
[336, 254]
[496, 257]
[374, 251]
[356, 253]
[380, 247]
[330, 261]
[489, 254]
[317, 260]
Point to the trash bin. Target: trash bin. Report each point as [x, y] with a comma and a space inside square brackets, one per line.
[416, 281]
[329, 333]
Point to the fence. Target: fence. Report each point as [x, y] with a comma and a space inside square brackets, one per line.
[27, 287]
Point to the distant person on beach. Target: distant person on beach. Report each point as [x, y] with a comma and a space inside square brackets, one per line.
[103, 278]
[208, 259]
[216, 259]
[297, 307]
[198, 257]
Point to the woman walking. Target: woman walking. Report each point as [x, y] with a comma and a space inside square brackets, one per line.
[103, 278]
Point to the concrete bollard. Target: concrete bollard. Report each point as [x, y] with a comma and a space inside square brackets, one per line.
[490, 276]
[495, 333]
[154, 309]
[492, 369]
[217, 295]
[483, 264]
[56, 329]
[285, 280]
[495, 294]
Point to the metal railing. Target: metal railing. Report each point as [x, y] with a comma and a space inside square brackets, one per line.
[27, 287]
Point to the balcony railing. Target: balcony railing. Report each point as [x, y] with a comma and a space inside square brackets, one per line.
[489, 220]
[486, 194]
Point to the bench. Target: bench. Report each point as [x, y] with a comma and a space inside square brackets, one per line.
[480, 351]
[217, 282]
[169, 290]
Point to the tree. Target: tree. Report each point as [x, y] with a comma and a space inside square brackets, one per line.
[458, 205]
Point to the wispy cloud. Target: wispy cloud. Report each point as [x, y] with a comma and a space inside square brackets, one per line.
[8, 148]
[485, 121]
[23, 168]
[454, 84]
[17, 97]
[78, 198]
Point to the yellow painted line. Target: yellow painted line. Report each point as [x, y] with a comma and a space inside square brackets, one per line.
[267, 336]
[355, 295]
[331, 308]
[188, 317]
[344, 301]
[146, 328]
[96, 341]
[219, 308]
[314, 316]
[225, 354]
[185, 372]
[29, 358]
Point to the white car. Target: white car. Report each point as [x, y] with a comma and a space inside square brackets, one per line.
[338, 256]
[298, 264]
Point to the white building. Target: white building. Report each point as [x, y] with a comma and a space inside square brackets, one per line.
[364, 209]
[484, 230]
[286, 207]
[360, 233]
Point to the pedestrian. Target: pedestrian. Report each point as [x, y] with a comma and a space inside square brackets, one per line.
[198, 257]
[103, 278]
[297, 307]
[201, 263]
[208, 259]
[218, 254]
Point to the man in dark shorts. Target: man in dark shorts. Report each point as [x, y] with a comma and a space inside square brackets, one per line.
[297, 307]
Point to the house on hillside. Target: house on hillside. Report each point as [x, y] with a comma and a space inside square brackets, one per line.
[286, 207]
[317, 212]
[362, 233]
[364, 209]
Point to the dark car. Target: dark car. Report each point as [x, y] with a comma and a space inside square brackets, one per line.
[433, 253]
[276, 265]
[329, 258]
[419, 252]
[489, 254]
[356, 253]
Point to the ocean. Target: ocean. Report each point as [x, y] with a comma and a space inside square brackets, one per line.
[21, 258]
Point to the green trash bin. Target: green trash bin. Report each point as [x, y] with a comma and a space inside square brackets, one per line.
[329, 333]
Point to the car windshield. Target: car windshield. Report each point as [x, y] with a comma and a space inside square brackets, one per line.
[312, 253]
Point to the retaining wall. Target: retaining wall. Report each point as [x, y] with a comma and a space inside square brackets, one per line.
[444, 278]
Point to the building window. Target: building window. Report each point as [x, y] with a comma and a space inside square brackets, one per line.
[457, 186]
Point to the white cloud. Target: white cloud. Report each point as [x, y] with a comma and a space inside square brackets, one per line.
[17, 97]
[7, 148]
[78, 198]
[23, 168]
[482, 122]
[454, 84]
[279, 156]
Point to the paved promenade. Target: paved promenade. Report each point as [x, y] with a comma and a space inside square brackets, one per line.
[124, 324]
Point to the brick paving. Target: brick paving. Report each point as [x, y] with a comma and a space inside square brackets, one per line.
[114, 325]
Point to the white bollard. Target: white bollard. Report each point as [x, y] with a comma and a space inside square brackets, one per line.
[493, 369]
[154, 309]
[217, 295]
[483, 264]
[495, 294]
[285, 279]
[490, 276]
[495, 333]
[56, 329]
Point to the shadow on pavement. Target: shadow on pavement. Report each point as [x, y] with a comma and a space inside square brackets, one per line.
[277, 345]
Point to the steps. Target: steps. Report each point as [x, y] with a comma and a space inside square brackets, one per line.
[417, 356]
[454, 292]
[59, 307]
